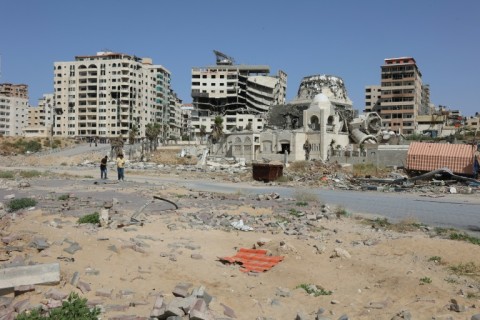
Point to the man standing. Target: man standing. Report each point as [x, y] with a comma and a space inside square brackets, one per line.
[121, 167]
[103, 168]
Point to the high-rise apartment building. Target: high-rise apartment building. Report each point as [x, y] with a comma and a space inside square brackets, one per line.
[106, 94]
[227, 89]
[401, 95]
[13, 108]
[372, 98]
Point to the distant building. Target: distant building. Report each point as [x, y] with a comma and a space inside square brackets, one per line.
[372, 98]
[13, 109]
[14, 90]
[238, 93]
[403, 97]
[40, 118]
[473, 122]
[107, 94]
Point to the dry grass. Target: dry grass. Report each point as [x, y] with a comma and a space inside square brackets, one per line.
[11, 145]
[369, 169]
[171, 157]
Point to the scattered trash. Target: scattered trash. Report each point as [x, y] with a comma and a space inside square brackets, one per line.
[239, 225]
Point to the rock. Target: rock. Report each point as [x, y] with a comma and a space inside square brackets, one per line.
[39, 244]
[454, 306]
[476, 317]
[404, 314]
[74, 247]
[341, 253]
[56, 294]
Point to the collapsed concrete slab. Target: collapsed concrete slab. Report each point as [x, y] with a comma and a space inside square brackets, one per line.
[28, 275]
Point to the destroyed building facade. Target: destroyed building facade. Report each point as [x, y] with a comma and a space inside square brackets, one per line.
[317, 122]
[241, 94]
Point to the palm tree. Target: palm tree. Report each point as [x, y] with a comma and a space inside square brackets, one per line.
[217, 129]
[152, 131]
[132, 134]
[202, 133]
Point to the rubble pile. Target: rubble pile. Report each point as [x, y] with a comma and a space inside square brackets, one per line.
[291, 218]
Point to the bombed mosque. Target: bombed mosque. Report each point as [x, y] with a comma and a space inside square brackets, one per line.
[319, 120]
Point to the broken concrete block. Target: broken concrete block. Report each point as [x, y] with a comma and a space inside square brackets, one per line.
[107, 293]
[104, 216]
[181, 290]
[171, 310]
[28, 275]
[228, 311]
[39, 244]
[158, 313]
[74, 247]
[21, 305]
[83, 286]
[56, 294]
[22, 289]
[75, 278]
[158, 303]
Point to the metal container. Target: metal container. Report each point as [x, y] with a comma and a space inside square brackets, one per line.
[267, 172]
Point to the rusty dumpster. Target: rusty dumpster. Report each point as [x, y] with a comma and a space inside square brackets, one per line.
[267, 172]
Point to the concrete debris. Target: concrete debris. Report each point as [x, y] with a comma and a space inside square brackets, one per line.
[239, 225]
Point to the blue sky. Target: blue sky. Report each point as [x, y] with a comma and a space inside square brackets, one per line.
[346, 38]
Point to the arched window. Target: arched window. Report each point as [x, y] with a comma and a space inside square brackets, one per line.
[314, 123]
[330, 120]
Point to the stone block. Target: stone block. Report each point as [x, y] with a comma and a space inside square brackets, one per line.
[56, 294]
[107, 293]
[83, 286]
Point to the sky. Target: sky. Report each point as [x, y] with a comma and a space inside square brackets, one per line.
[346, 38]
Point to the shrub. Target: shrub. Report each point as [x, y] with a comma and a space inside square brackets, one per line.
[30, 146]
[340, 211]
[464, 237]
[469, 268]
[20, 203]
[63, 197]
[295, 212]
[30, 174]
[73, 308]
[425, 280]
[7, 175]
[314, 290]
[435, 259]
[90, 218]
[305, 196]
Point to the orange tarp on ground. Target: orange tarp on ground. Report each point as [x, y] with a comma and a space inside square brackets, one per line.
[253, 260]
[432, 156]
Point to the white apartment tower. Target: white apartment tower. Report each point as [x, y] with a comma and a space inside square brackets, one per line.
[13, 109]
[106, 94]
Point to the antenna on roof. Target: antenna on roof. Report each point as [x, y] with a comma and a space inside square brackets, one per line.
[223, 59]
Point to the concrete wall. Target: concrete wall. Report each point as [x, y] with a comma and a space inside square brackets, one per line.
[382, 155]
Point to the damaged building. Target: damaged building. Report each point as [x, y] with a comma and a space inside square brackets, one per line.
[317, 122]
[241, 94]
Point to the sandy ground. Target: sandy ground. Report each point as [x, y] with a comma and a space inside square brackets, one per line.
[384, 273]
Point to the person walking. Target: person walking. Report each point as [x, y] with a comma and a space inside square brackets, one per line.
[121, 167]
[103, 167]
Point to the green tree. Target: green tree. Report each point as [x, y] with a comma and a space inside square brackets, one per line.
[152, 131]
[217, 130]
